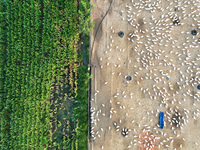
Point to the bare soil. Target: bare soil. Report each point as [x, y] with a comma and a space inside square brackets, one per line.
[151, 50]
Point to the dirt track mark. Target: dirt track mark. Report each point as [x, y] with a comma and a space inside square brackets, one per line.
[141, 24]
[99, 33]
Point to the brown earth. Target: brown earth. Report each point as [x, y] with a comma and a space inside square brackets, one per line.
[135, 105]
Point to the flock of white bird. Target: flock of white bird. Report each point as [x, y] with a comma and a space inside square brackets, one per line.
[167, 53]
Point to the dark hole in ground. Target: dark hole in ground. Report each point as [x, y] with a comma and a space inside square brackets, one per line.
[194, 32]
[120, 34]
[128, 78]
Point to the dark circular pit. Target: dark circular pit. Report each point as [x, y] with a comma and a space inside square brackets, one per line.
[128, 78]
[120, 34]
[198, 87]
[194, 32]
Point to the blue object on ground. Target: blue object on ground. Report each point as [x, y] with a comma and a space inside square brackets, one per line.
[161, 122]
[198, 87]
[167, 78]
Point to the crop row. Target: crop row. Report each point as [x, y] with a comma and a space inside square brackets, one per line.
[41, 76]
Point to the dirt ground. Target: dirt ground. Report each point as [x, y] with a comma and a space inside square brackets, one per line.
[153, 67]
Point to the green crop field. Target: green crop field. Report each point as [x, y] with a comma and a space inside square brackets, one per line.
[43, 81]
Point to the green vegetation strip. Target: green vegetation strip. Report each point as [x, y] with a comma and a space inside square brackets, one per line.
[43, 82]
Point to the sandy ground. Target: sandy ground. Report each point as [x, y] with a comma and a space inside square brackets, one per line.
[163, 60]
